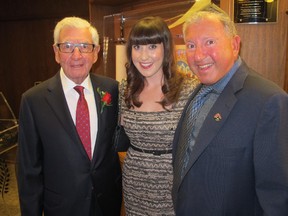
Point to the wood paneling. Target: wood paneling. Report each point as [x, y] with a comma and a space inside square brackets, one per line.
[263, 46]
[286, 67]
[111, 3]
[27, 36]
[97, 14]
[44, 9]
[27, 57]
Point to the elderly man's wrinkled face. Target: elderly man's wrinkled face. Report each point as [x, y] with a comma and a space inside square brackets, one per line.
[76, 53]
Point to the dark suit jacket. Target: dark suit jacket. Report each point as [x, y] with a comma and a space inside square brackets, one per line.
[55, 174]
[239, 165]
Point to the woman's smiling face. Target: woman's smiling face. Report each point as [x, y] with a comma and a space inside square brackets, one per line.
[148, 59]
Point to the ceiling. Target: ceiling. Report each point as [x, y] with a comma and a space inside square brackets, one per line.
[113, 2]
[125, 2]
[35, 9]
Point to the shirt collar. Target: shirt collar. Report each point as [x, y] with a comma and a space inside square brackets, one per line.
[69, 84]
[221, 84]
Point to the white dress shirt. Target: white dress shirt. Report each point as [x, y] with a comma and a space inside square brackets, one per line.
[72, 96]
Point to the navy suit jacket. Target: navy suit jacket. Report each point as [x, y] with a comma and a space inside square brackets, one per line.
[239, 165]
[55, 174]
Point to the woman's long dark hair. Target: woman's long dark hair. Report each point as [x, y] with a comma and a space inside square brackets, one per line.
[152, 30]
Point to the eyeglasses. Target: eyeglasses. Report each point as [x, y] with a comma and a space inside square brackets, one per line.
[69, 47]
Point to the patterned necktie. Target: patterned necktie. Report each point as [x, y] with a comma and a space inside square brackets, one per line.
[82, 120]
[182, 158]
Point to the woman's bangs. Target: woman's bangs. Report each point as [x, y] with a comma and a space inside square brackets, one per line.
[146, 36]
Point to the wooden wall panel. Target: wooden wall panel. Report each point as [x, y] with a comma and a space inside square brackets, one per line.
[27, 58]
[286, 67]
[97, 14]
[263, 46]
[27, 37]
[19, 10]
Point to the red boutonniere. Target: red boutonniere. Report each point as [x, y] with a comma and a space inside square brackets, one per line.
[217, 117]
[106, 99]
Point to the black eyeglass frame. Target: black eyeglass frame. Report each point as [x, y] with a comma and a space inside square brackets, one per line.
[74, 45]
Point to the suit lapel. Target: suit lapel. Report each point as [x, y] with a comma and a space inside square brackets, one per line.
[56, 99]
[98, 154]
[223, 105]
[210, 127]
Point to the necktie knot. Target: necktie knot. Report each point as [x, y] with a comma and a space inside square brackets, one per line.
[80, 90]
[205, 90]
[200, 98]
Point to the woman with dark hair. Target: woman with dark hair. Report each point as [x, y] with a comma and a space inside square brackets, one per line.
[152, 97]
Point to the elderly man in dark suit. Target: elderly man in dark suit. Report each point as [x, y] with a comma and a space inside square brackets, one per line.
[230, 152]
[67, 166]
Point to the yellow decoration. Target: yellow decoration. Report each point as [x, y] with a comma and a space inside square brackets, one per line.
[199, 5]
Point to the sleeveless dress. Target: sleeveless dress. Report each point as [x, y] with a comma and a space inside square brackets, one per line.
[148, 178]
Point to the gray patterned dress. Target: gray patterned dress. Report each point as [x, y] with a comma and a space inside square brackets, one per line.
[147, 178]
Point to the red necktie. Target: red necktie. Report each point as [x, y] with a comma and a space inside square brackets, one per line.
[82, 120]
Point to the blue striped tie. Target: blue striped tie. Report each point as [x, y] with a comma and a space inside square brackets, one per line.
[192, 111]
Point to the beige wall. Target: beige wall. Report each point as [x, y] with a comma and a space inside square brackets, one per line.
[264, 46]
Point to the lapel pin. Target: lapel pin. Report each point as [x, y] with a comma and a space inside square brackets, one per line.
[217, 117]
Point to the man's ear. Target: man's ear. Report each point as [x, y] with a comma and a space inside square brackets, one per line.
[95, 52]
[56, 52]
[236, 42]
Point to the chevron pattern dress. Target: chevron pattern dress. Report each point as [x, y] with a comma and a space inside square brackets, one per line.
[147, 178]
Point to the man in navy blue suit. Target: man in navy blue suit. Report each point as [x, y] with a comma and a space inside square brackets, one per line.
[235, 159]
[57, 176]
